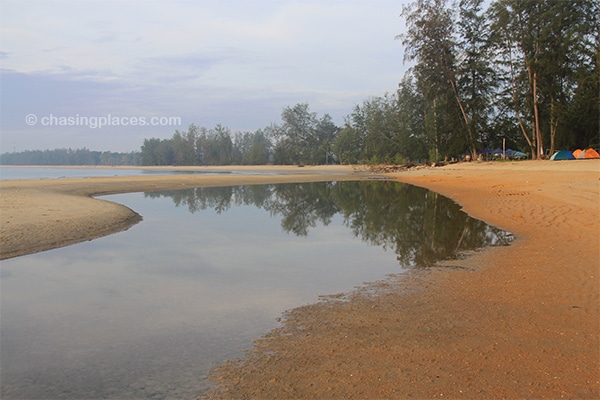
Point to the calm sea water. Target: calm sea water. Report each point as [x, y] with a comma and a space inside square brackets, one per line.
[147, 313]
[7, 173]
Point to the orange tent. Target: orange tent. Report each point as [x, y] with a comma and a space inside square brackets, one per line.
[588, 153]
[576, 153]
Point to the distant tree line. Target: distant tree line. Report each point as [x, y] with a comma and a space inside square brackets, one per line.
[69, 157]
[202, 146]
[301, 138]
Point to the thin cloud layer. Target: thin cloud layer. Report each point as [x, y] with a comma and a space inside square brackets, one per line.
[237, 63]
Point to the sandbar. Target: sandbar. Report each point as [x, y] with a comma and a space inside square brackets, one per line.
[38, 215]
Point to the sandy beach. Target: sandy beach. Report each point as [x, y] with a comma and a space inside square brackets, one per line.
[39, 215]
[521, 321]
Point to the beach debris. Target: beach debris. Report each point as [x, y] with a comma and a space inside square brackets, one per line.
[389, 168]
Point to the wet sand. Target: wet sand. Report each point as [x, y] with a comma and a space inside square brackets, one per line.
[512, 322]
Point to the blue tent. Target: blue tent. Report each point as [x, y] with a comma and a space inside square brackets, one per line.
[515, 154]
[562, 155]
[497, 153]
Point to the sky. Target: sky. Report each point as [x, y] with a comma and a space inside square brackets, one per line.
[105, 75]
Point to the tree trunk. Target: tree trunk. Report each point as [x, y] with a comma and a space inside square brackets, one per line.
[553, 124]
[519, 119]
[473, 147]
[536, 114]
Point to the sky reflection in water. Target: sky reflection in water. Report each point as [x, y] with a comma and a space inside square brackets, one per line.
[148, 312]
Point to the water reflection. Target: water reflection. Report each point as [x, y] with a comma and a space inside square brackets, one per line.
[422, 227]
[148, 312]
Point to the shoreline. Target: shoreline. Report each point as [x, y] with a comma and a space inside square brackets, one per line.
[43, 214]
[517, 321]
[521, 321]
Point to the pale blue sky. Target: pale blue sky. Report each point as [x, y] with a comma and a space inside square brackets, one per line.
[237, 63]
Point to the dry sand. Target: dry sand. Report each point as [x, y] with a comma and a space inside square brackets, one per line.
[514, 322]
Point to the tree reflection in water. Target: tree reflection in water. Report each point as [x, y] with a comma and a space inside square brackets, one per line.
[421, 226]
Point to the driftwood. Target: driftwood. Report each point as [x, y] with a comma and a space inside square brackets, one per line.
[389, 168]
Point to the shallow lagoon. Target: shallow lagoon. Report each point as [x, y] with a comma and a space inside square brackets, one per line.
[49, 172]
[148, 312]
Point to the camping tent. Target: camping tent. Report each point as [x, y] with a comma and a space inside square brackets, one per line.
[509, 153]
[497, 152]
[576, 153]
[515, 154]
[562, 155]
[588, 153]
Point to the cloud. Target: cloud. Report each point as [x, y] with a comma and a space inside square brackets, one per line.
[186, 67]
[238, 63]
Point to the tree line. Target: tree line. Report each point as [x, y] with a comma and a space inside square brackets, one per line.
[69, 157]
[521, 73]
[524, 73]
[301, 138]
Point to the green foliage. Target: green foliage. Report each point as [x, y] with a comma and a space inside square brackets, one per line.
[548, 54]
[303, 137]
[374, 160]
[297, 132]
[545, 63]
[201, 146]
[347, 146]
[398, 160]
[259, 150]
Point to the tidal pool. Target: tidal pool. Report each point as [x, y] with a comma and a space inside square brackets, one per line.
[148, 312]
